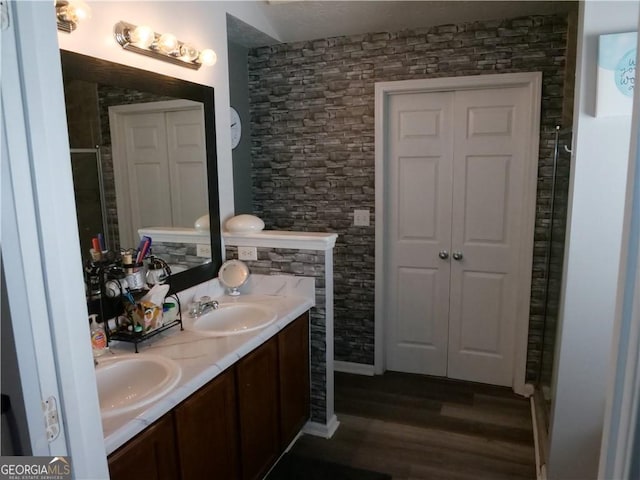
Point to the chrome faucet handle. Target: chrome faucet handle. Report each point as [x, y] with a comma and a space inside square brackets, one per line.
[205, 304]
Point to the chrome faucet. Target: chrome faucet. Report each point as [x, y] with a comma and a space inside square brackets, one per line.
[204, 305]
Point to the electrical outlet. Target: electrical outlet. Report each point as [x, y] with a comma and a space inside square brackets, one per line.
[247, 253]
[361, 218]
[203, 250]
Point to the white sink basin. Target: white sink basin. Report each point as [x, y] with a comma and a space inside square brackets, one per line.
[128, 382]
[233, 319]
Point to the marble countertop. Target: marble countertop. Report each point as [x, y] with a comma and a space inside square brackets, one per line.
[202, 358]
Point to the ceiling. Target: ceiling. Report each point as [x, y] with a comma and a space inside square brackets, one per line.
[308, 20]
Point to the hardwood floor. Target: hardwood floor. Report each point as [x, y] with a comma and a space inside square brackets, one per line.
[417, 427]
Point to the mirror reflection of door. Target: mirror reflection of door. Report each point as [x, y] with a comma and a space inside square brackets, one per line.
[159, 160]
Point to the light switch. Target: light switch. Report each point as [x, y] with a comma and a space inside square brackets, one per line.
[361, 218]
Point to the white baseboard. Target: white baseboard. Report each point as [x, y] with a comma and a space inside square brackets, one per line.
[536, 439]
[320, 429]
[355, 368]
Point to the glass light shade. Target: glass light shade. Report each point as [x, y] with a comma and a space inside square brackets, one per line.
[188, 52]
[168, 43]
[142, 36]
[78, 10]
[208, 57]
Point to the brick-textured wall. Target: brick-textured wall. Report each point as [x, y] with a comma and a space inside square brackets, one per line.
[176, 253]
[308, 263]
[312, 124]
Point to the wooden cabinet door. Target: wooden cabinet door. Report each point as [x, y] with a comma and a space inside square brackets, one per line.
[257, 380]
[206, 429]
[150, 456]
[293, 351]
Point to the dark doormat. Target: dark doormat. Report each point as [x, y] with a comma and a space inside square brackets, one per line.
[294, 467]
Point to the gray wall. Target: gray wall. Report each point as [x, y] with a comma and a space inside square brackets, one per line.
[312, 116]
[239, 93]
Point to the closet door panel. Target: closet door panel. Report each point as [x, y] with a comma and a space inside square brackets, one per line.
[418, 172]
[488, 176]
[146, 164]
[187, 166]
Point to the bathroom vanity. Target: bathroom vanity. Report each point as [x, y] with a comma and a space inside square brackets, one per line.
[237, 425]
[240, 401]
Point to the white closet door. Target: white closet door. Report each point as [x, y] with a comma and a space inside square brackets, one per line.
[147, 174]
[419, 227]
[188, 166]
[488, 178]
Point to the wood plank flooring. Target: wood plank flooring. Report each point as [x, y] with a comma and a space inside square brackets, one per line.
[417, 427]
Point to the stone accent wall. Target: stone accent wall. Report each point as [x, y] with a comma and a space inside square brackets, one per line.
[307, 263]
[312, 124]
[175, 253]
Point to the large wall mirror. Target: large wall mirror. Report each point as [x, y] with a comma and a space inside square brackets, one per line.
[96, 92]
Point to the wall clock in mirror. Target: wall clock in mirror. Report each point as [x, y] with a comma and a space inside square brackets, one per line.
[236, 128]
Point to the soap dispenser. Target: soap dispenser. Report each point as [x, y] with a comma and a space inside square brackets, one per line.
[98, 336]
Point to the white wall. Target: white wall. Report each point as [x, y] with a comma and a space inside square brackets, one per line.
[204, 24]
[597, 192]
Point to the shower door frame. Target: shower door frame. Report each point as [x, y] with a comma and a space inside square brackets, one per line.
[103, 204]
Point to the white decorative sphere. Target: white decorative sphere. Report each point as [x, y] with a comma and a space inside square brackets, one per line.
[244, 224]
[202, 223]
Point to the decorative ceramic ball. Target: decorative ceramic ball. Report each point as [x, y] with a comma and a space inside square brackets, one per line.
[244, 224]
[202, 223]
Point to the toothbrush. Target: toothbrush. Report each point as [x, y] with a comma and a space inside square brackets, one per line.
[143, 248]
[103, 246]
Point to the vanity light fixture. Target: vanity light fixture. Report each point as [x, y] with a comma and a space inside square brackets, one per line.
[70, 12]
[143, 40]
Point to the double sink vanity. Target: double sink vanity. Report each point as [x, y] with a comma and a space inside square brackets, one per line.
[223, 398]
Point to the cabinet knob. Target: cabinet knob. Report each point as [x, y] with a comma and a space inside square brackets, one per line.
[457, 256]
[443, 254]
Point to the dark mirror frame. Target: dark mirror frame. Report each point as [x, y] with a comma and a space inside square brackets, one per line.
[81, 67]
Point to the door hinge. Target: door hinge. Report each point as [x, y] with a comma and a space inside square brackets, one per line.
[51, 420]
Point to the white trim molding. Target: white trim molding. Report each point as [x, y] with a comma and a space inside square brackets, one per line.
[175, 235]
[321, 430]
[354, 368]
[281, 239]
[531, 80]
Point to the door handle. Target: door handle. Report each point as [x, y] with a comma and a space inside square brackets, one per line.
[443, 254]
[457, 256]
